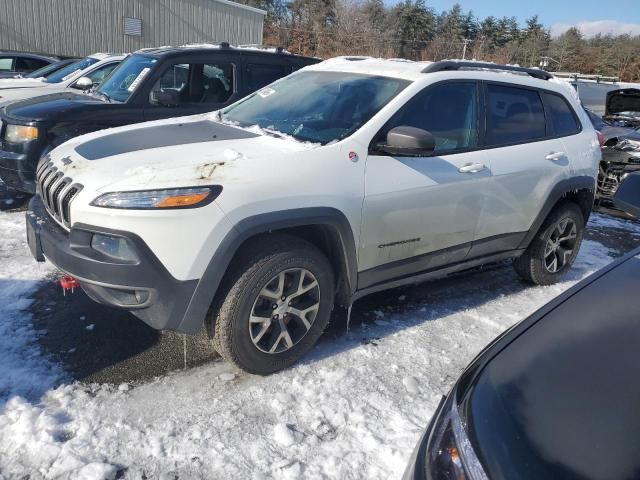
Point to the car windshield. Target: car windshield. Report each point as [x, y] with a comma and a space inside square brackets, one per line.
[318, 107]
[126, 77]
[45, 71]
[70, 70]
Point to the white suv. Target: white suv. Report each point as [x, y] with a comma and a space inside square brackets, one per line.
[345, 178]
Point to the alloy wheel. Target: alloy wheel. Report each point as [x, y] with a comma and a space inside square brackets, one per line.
[284, 310]
[560, 245]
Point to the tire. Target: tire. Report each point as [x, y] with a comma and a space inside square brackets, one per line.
[245, 327]
[536, 264]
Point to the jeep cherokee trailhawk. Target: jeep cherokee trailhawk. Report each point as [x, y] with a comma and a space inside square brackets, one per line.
[345, 178]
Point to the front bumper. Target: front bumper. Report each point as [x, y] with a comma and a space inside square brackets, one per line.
[143, 286]
[17, 171]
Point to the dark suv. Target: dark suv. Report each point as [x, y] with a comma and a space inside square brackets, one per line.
[151, 84]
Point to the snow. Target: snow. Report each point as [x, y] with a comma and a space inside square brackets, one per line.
[353, 408]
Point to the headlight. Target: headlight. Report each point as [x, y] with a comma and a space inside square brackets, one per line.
[159, 199]
[450, 455]
[20, 133]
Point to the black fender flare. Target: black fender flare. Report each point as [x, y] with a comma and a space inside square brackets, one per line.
[249, 227]
[561, 189]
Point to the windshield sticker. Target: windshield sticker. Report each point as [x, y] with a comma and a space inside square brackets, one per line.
[265, 92]
[67, 77]
[139, 78]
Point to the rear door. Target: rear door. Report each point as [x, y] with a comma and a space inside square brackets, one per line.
[526, 161]
[421, 213]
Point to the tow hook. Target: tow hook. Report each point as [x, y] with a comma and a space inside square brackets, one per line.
[69, 283]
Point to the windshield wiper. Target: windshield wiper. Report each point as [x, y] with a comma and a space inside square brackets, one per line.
[273, 133]
[104, 95]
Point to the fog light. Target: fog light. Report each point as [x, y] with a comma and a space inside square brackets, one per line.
[114, 247]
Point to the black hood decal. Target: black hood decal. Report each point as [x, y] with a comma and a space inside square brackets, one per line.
[158, 137]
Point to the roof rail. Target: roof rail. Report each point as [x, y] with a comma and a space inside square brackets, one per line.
[580, 76]
[446, 65]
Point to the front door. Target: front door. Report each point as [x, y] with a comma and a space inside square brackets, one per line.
[201, 87]
[421, 213]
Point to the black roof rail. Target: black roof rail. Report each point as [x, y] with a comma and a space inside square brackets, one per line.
[446, 65]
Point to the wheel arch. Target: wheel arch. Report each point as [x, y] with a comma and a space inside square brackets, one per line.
[325, 227]
[579, 190]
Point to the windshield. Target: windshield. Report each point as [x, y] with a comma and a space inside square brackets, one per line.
[46, 70]
[70, 70]
[316, 106]
[126, 77]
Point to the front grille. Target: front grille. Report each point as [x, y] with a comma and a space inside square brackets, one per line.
[57, 192]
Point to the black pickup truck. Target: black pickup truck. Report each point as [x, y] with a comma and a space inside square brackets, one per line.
[150, 84]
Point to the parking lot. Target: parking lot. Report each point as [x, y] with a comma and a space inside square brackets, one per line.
[102, 394]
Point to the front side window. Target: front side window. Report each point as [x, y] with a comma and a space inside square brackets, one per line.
[127, 77]
[560, 115]
[196, 83]
[514, 115]
[26, 65]
[101, 73]
[71, 70]
[318, 107]
[448, 111]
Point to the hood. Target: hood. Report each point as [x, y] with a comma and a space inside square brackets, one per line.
[6, 83]
[561, 399]
[44, 107]
[178, 152]
[624, 100]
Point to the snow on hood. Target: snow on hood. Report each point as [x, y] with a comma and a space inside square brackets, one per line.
[189, 150]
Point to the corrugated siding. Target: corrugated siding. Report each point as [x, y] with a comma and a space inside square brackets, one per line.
[81, 27]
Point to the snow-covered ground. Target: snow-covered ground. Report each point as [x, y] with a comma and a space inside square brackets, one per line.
[353, 409]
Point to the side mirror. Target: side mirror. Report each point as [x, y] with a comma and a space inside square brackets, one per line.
[627, 197]
[409, 142]
[83, 83]
[167, 98]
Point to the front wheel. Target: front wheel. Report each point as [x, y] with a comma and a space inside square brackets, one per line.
[275, 305]
[555, 247]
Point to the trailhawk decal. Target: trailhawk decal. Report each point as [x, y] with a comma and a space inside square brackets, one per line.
[160, 136]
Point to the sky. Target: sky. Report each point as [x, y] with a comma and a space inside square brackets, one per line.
[591, 16]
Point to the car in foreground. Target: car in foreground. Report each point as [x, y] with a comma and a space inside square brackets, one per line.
[20, 63]
[346, 178]
[557, 395]
[153, 83]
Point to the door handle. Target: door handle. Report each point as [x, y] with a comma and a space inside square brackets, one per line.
[472, 168]
[555, 156]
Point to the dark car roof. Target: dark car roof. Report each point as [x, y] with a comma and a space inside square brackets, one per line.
[38, 56]
[559, 395]
[222, 49]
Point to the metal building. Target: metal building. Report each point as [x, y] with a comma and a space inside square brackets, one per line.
[81, 27]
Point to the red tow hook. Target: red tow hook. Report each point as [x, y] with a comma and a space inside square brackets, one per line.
[69, 283]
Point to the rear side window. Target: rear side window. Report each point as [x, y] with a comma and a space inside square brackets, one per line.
[562, 119]
[514, 115]
[6, 64]
[259, 75]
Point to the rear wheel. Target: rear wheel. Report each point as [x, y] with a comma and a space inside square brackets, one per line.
[555, 247]
[276, 304]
